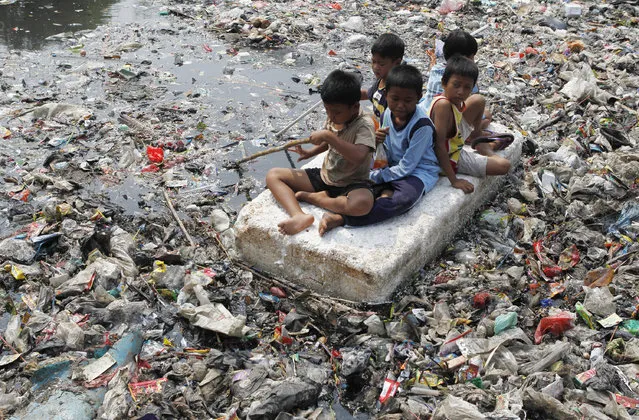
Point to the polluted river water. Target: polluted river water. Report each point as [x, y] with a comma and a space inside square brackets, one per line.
[245, 96]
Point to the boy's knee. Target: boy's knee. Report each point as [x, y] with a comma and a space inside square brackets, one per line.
[273, 175]
[488, 116]
[403, 202]
[360, 204]
[476, 100]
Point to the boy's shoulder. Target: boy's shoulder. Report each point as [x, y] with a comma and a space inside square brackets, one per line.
[363, 119]
[420, 119]
[441, 102]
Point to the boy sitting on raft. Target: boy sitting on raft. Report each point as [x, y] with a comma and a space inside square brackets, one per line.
[341, 185]
[407, 133]
[387, 52]
[446, 112]
[476, 115]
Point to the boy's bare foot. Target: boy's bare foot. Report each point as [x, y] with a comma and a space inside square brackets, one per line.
[330, 221]
[486, 149]
[387, 194]
[296, 224]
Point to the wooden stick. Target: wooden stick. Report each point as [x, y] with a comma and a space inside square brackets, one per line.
[274, 149]
[177, 218]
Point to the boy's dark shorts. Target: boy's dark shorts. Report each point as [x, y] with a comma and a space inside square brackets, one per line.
[319, 185]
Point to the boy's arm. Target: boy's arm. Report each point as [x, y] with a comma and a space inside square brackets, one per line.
[309, 153]
[354, 153]
[444, 120]
[363, 95]
[421, 140]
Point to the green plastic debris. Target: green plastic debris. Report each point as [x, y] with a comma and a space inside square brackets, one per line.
[585, 315]
[477, 382]
[505, 321]
[631, 325]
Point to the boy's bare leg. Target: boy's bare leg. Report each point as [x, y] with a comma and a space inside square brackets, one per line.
[358, 202]
[486, 119]
[473, 114]
[311, 197]
[329, 222]
[497, 165]
[283, 183]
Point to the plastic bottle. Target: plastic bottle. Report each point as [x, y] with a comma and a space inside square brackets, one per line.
[596, 354]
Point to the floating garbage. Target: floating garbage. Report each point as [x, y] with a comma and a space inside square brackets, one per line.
[121, 292]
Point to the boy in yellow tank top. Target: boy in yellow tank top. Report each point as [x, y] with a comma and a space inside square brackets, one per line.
[446, 112]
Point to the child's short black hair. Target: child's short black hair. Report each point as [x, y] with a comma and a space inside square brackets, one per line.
[459, 42]
[388, 45]
[341, 87]
[460, 66]
[405, 76]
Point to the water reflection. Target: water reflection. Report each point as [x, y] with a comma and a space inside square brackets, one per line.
[26, 24]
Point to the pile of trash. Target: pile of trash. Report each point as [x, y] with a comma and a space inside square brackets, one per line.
[121, 293]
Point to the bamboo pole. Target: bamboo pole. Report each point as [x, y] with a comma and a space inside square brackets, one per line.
[177, 218]
[274, 149]
[296, 120]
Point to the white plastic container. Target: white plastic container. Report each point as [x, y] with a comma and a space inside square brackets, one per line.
[573, 10]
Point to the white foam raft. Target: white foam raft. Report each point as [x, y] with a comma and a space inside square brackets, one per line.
[363, 264]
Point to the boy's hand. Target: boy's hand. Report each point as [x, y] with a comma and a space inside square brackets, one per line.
[319, 137]
[380, 135]
[304, 154]
[463, 185]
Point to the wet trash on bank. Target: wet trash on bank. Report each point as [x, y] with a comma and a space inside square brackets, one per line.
[121, 294]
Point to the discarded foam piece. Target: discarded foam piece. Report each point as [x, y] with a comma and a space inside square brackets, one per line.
[363, 263]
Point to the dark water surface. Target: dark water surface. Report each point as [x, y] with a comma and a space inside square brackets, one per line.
[252, 94]
[26, 24]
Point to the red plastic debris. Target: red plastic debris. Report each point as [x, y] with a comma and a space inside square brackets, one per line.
[569, 257]
[276, 291]
[481, 299]
[552, 271]
[531, 51]
[444, 277]
[555, 324]
[151, 168]
[335, 6]
[281, 336]
[155, 154]
[389, 389]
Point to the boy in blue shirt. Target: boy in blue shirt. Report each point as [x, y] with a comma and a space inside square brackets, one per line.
[475, 114]
[407, 133]
[387, 52]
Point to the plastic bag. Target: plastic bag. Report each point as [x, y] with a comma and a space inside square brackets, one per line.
[448, 6]
[505, 321]
[155, 154]
[555, 324]
[381, 160]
